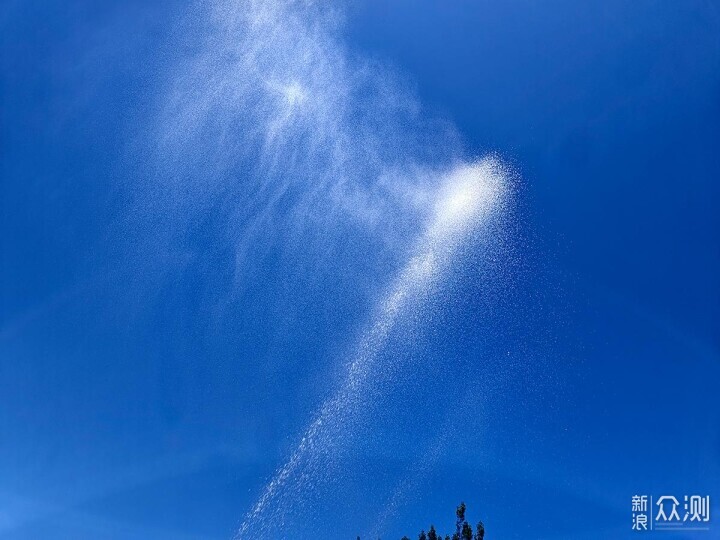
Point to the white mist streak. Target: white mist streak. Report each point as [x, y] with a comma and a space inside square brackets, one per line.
[470, 197]
[271, 112]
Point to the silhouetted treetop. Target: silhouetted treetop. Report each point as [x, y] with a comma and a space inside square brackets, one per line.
[463, 530]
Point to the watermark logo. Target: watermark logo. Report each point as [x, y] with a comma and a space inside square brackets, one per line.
[668, 513]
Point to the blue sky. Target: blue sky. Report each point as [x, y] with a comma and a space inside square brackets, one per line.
[212, 215]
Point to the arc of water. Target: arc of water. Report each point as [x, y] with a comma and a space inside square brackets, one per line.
[470, 195]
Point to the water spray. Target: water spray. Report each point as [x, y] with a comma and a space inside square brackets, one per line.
[468, 198]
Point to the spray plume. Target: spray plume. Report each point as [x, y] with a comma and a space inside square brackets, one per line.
[275, 119]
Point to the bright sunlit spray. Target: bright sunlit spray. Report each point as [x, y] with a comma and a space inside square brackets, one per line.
[469, 198]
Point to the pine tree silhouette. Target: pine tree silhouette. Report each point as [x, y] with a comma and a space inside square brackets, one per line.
[463, 530]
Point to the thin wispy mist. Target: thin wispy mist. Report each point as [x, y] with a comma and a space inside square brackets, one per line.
[272, 117]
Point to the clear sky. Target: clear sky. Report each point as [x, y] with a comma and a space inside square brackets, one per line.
[238, 291]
